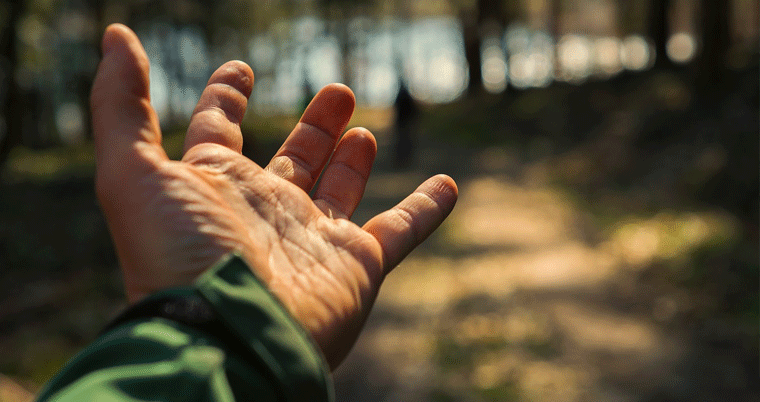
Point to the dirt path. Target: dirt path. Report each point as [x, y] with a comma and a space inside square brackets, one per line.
[519, 297]
[525, 294]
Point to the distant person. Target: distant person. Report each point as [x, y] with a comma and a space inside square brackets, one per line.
[404, 141]
[242, 287]
[308, 94]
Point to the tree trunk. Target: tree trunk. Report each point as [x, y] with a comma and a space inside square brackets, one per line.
[715, 42]
[659, 31]
[471, 31]
[555, 29]
[11, 108]
[487, 15]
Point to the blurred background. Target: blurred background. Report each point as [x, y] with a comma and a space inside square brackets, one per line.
[605, 246]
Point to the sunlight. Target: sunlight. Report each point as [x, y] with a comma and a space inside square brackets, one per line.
[607, 56]
[263, 97]
[494, 68]
[382, 86]
[446, 75]
[288, 84]
[681, 47]
[159, 91]
[520, 68]
[70, 121]
[262, 53]
[193, 54]
[531, 57]
[575, 58]
[323, 60]
[635, 53]
[381, 81]
[668, 237]
[439, 68]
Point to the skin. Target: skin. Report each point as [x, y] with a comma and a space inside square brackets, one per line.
[171, 220]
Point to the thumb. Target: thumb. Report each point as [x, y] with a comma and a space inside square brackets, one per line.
[126, 128]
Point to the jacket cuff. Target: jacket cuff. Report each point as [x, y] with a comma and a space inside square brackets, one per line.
[256, 318]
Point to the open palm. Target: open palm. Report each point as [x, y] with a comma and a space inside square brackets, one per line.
[171, 220]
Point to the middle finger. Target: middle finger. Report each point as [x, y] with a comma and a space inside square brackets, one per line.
[308, 147]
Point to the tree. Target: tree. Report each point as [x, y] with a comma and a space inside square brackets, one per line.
[659, 31]
[715, 43]
[11, 114]
[486, 18]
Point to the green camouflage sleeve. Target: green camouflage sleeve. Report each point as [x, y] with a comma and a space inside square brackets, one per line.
[225, 339]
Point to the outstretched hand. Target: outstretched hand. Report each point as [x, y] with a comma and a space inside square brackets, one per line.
[171, 220]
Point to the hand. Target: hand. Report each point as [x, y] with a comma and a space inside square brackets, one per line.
[171, 220]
